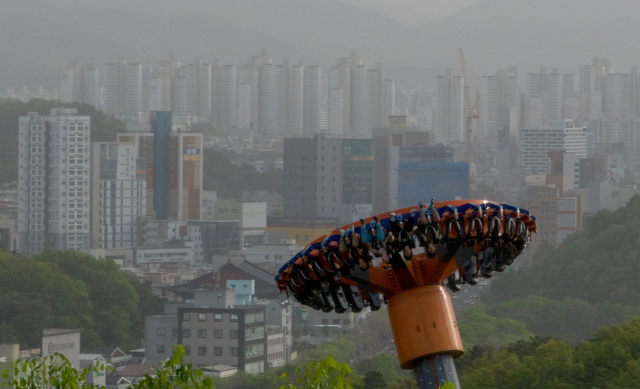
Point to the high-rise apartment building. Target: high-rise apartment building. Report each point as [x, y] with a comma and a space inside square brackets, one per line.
[118, 194]
[312, 98]
[91, 86]
[295, 100]
[66, 85]
[80, 84]
[497, 91]
[199, 89]
[227, 96]
[122, 87]
[449, 108]
[54, 154]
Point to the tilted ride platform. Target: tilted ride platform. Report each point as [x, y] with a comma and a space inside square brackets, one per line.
[423, 249]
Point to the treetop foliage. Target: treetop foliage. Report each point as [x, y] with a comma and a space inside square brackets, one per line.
[567, 292]
[68, 289]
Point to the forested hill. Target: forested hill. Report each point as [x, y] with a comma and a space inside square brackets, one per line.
[103, 129]
[567, 292]
[611, 360]
[68, 289]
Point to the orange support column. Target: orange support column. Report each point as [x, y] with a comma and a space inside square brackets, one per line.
[424, 325]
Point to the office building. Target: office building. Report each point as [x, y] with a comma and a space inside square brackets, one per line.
[210, 238]
[54, 155]
[177, 169]
[252, 218]
[312, 177]
[357, 179]
[224, 336]
[404, 174]
[537, 142]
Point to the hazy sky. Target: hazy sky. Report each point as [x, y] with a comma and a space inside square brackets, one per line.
[414, 12]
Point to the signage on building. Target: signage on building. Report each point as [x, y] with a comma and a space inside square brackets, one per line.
[321, 222]
[54, 348]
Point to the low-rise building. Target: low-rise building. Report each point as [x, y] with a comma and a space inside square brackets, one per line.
[276, 346]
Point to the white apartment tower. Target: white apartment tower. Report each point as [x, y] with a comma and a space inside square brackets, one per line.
[80, 84]
[133, 88]
[267, 101]
[389, 102]
[122, 87]
[66, 84]
[199, 78]
[54, 154]
[295, 103]
[244, 106]
[228, 93]
[496, 91]
[449, 108]
[312, 98]
[118, 194]
[359, 107]
[91, 86]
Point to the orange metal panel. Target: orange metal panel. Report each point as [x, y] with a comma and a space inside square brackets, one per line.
[424, 324]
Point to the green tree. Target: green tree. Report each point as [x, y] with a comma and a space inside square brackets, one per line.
[374, 380]
[73, 290]
[53, 371]
[323, 374]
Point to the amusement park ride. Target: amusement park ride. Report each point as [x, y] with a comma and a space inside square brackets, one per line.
[422, 250]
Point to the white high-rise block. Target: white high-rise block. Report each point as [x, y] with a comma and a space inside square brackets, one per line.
[295, 104]
[54, 155]
[449, 108]
[244, 106]
[228, 96]
[312, 98]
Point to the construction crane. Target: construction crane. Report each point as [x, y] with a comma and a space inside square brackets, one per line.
[473, 108]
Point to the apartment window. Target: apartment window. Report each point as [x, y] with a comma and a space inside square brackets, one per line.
[217, 351]
[325, 321]
[234, 351]
[160, 331]
[187, 350]
[336, 321]
[202, 317]
[233, 334]
[202, 351]
[186, 316]
[186, 333]
[202, 333]
[234, 317]
[217, 334]
[217, 317]
[160, 349]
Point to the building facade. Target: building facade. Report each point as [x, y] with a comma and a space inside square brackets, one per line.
[54, 155]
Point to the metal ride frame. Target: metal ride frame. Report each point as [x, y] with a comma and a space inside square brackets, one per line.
[462, 239]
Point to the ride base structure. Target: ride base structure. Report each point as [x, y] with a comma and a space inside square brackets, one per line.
[421, 251]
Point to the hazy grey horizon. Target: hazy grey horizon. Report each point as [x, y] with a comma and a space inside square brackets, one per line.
[41, 36]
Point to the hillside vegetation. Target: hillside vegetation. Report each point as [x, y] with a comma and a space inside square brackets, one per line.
[567, 292]
[68, 289]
